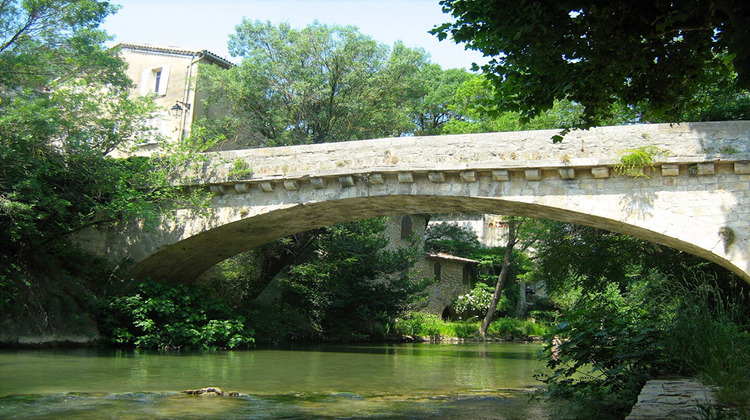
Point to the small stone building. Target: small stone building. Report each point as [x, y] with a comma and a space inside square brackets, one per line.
[451, 273]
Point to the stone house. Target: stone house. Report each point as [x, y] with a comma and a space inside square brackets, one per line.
[170, 75]
[452, 274]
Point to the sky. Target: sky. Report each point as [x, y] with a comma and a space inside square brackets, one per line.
[206, 24]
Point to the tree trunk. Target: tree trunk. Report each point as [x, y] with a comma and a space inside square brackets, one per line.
[513, 224]
[521, 306]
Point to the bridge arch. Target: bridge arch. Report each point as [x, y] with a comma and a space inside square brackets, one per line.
[695, 196]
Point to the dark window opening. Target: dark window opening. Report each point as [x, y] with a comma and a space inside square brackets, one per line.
[406, 227]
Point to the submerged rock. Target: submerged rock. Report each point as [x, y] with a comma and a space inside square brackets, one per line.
[211, 391]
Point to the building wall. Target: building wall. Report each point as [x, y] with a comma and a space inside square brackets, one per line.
[451, 283]
[490, 229]
[177, 69]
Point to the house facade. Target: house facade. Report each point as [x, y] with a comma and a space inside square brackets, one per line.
[169, 75]
[451, 274]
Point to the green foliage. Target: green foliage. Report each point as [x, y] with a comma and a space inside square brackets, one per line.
[633, 161]
[240, 169]
[162, 316]
[474, 305]
[351, 283]
[655, 57]
[708, 335]
[513, 329]
[313, 85]
[420, 324]
[451, 238]
[417, 324]
[602, 352]
[64, 107]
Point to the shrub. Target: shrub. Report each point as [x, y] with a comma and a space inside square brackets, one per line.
[465, 329]
[172, 317]
[474, 305]
[420, 324]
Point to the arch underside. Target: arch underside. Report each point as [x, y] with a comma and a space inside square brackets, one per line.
[185, 260]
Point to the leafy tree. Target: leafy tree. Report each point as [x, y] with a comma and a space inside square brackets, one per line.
[652, 55]
[352, 285]
[64, 107]
[318, 84]
[451, 238]
[434, 106]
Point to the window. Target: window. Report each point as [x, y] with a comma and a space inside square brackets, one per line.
[154, 80]
[406, 227]
[437, 269]
[157, 79]
[466, 273]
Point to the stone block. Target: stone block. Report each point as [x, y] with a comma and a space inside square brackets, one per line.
[468, 176]
[500, 175]
[242, 187]
[318, 182]
[670, 170]
[438, 177]
[533, 174]
[567, 173]
[600, 172]
[742, 168]
[405, 177]
[291, 185]
[375, 178]
[346, 181]
[265, 186]
[706, 168]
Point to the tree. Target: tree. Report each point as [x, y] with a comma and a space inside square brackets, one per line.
[318, 84]
[513, 227]
[352, 284]
[64, 107]
[652, 55]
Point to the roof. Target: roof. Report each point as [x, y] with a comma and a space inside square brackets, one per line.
[445, 256]
[223, 62]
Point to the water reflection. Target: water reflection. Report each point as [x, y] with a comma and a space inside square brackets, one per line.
[404, 381]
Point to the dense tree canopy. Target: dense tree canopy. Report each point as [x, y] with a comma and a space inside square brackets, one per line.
[64, 106]
[656, 55]
[313, 85]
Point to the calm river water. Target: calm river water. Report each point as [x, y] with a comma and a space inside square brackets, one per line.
[477, 380]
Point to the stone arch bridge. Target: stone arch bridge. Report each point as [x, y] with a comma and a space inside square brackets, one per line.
[694, 197]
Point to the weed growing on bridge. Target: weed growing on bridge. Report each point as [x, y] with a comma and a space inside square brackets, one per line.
[240, 169]
[633, 161]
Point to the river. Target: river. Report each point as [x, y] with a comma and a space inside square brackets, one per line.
[420, 380]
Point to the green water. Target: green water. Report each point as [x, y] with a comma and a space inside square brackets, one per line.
[478, 380]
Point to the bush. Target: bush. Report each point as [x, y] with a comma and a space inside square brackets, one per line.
[707, 337]
[420, 324]
[474, 305]
[465, 329]
[602, 353]
[162, 316]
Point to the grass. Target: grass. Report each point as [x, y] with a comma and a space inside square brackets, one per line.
[424, 325]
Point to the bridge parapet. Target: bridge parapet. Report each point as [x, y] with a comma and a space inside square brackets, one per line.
[691, 147]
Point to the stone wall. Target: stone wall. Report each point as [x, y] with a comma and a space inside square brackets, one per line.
[695, 196]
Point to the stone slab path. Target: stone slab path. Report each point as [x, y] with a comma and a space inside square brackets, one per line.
[672, 399]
